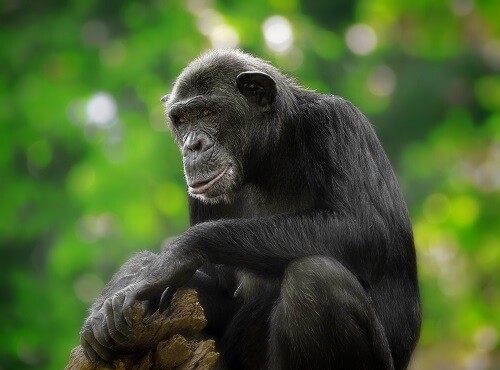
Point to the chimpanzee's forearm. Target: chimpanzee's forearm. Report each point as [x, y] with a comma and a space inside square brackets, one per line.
[267, 245]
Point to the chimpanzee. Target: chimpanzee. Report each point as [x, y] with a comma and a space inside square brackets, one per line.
[300, 245]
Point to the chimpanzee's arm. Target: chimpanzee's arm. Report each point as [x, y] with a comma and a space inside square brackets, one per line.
[267, 245]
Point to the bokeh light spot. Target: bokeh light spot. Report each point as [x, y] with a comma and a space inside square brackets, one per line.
[462, 7]
[382, 81]
[209, 19]
[95, 33]
[101, 110]
[491, 53]
[278, 34]
[224, 36]
[196, 6]
[486, 338]
[361, 39]
[113, 54]
[477, 361]
[87, 287]
[92, 228]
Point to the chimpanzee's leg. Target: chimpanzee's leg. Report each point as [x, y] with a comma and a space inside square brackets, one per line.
[324, 319]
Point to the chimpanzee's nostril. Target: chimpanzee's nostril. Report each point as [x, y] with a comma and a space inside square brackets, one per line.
[197, 143]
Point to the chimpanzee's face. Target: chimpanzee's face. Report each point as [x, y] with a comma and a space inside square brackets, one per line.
[211, 148]
[214, 118]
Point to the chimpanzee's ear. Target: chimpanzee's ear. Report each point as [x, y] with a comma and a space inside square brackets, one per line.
[257, 86]
[164, 98]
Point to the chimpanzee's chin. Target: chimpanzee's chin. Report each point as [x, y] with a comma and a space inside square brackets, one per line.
[213, 198]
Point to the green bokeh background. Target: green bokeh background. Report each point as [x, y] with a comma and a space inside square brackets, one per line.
[78, 197]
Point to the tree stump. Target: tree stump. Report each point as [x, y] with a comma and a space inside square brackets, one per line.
[164, 341]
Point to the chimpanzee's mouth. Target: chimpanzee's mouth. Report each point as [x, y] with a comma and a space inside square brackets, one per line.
[201, 187]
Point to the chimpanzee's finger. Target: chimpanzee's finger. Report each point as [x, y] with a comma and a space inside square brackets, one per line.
[91, 354]
[94, 350]
[128, 307]
[120, 322]
[114, 333]
[166, 298]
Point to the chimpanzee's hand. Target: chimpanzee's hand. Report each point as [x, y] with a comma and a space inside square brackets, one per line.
[100, 339]
[107, 332]
[173, 269]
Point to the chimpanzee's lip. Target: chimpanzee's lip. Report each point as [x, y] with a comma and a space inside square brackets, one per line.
[202, 186]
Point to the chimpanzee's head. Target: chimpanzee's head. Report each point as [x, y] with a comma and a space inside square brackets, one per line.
[223, 113]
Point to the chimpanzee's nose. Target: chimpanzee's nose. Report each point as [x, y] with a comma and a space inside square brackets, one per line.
[196, 142]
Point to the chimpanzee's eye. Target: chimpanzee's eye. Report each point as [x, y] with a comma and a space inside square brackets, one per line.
[206, 112]
[182, 119]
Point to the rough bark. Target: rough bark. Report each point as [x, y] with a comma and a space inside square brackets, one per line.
[164, 341]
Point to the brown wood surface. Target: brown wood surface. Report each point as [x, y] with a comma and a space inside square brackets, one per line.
[164, 341]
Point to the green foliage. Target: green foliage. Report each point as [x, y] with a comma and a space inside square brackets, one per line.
[89, 174]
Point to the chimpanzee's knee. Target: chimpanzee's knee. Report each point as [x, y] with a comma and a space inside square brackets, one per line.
[324, 319]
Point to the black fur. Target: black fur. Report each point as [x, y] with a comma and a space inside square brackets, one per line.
[302, 252]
